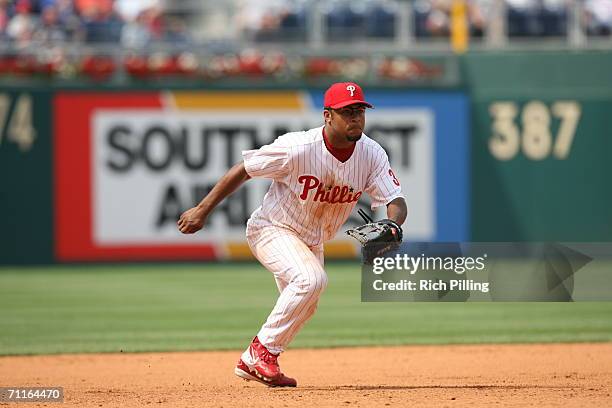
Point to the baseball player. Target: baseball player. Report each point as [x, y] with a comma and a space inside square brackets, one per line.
[317, 176]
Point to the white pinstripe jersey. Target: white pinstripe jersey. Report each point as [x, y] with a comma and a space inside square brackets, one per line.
[312, 192]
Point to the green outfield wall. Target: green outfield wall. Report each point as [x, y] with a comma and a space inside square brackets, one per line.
[541, 146]
[540, 125]
[26, 182]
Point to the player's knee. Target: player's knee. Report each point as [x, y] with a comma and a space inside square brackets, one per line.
[320, 284]
[323, 281]
[314, 285]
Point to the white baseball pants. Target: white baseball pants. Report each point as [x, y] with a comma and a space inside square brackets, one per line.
[300, 277]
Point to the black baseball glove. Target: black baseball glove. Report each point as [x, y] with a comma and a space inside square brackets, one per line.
[376, 237]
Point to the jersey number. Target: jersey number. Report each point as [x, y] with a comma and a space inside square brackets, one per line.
[395, 180]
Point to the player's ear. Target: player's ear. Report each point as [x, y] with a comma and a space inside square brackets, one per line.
[327, 115]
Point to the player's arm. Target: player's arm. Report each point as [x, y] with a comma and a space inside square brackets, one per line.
[397, 210]
[193, 219]
[384, 189]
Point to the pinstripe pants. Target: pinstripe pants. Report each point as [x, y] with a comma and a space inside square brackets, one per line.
[300, 278]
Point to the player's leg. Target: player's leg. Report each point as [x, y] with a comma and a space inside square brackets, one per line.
[300, 272]
[297, 326]
[301, 279]
[280, 279]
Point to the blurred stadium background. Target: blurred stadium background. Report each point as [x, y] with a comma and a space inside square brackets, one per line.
[133, 39]
[117, 115]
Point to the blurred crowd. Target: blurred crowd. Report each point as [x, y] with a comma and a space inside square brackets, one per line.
[133, 23]
[36, 35]
[138, 23]
[280, 20]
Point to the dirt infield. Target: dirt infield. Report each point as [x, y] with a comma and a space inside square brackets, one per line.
[547, 375]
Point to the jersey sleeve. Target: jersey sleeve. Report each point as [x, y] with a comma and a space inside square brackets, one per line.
[382, 185]
[270, 161]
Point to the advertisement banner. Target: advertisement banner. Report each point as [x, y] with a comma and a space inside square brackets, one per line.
[127, 165]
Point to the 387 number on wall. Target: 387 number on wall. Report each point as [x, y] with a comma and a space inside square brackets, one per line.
[530, 130]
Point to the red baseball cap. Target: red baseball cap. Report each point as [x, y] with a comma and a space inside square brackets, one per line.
[342, 94]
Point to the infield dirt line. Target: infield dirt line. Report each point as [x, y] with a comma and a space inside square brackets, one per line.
[455, 376]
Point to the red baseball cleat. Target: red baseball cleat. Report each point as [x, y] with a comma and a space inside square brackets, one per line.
[266, 363]
[243, 371]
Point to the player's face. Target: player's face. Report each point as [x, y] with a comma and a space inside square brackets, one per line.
[349, 121]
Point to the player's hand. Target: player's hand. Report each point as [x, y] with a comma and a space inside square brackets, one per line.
[192, 220]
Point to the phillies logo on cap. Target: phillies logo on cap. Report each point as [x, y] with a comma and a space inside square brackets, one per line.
[337, 97]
